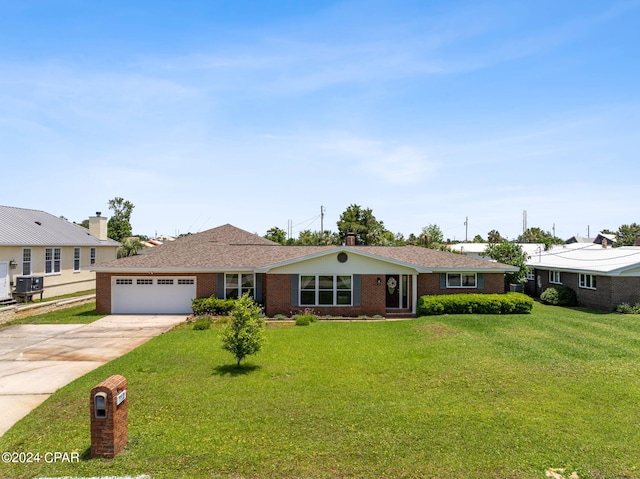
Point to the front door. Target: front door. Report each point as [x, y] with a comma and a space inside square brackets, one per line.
[4, 280]
[392, 288]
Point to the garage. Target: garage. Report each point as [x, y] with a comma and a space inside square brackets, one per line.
[152, 295]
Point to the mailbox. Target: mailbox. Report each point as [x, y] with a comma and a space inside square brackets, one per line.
[109, 417]
[100, 404]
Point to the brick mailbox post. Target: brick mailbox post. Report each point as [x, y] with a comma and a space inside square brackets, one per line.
[109, 419]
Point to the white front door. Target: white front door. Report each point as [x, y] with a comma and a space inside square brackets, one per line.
[4, 281]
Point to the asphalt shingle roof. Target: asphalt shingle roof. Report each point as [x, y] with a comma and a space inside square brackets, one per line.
[227, 247]
[24, 227]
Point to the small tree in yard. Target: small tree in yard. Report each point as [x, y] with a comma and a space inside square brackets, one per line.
[244, 334]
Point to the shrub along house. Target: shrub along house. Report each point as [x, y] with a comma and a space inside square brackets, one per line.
[344, 280]
[602, 277]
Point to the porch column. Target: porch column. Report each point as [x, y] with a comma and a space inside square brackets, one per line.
[414, 293]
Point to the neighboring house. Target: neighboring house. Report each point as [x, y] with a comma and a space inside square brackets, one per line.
[602, 277]
[609, 238]
[332, 280]
[35, 243]
[477, 250]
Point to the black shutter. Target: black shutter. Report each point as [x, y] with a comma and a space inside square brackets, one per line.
[357, 289]
[295, 285]
[220, 286]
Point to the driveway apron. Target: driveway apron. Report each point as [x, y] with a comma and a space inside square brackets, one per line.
[38, 359]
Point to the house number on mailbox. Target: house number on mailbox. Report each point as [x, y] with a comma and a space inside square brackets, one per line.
[121, 397]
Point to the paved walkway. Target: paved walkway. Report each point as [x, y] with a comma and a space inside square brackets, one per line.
[38, 359]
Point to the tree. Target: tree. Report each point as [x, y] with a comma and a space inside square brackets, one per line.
[130, 247]
[119, 225]
[510, 253]
[361, 222]
[627, 234]
[494, 236]
[537, 235]
[478, 239]
[277, 235]
[244, 334]
[432, 237]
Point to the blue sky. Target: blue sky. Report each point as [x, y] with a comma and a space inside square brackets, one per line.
[258, 113]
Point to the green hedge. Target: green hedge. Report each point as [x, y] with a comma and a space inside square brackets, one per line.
[212, 306]
[509, 303]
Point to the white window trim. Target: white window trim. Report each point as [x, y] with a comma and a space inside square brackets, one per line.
[240, 289]
[317, 290]
[582, 281]
[27, 273]
[92, 256]
[76, 260]
[461, 286]
[553, 279]
[53, 261]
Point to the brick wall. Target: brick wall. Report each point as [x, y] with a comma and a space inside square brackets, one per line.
[278, 298]
[429, 283]
[610, 291]
[110, 434]
[103, 293]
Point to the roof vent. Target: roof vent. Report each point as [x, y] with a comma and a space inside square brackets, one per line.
[38, 223]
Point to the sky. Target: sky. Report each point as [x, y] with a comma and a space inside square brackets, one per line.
[260, 113]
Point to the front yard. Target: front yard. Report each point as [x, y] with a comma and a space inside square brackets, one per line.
[447, 396]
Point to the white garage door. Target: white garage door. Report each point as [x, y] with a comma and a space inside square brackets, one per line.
[149, 295]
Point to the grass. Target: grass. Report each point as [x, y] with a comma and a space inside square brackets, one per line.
[82, 314]
[443, 397]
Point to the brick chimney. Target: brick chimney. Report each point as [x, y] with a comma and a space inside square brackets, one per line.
[637, 243]
[351, 239]
[98, 226]
[604, 242]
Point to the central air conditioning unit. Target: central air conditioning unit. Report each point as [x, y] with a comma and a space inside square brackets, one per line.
[29, 284]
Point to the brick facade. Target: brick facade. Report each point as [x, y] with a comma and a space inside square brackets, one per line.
[610, 291]
[277, 292]
[429, 283]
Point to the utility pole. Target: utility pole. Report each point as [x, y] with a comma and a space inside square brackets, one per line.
[466, 229]
[322, 210]
[524, 222]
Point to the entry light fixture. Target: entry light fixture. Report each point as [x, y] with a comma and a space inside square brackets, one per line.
[378, 281]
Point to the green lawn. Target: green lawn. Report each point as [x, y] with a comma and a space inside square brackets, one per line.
[82, 314]
[442, 397]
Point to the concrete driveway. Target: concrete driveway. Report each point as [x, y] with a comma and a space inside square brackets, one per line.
[38, 359]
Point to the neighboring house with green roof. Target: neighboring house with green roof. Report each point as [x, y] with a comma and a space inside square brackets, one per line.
[343, 280]
[34, 243]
